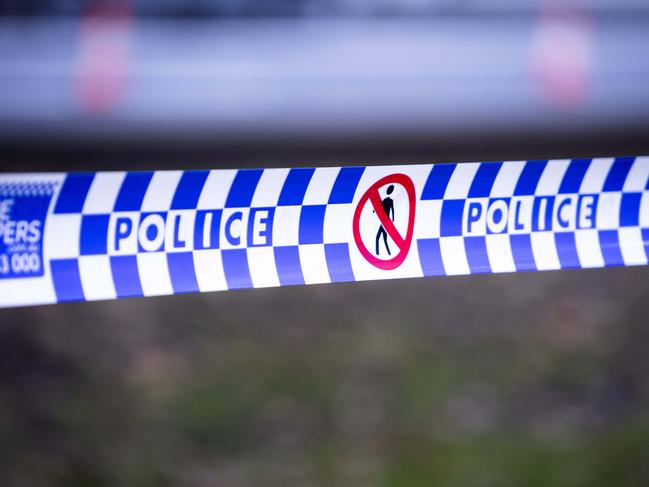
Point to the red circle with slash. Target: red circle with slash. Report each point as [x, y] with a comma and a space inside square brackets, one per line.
[403, 242]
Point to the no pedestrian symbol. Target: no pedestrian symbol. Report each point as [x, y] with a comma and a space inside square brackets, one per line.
[386, 216]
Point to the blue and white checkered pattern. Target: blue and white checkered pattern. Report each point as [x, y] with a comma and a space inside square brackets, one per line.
[294, 226]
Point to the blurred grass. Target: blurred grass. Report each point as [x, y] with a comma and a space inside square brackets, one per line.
[533, 379]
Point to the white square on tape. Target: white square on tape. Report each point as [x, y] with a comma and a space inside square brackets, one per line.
[338, 224]
[608, 210]
[154, 273]
[637, 178]
[632, 246]
[550, 180]
[596, 174]
[320, 186]
[589, 249]
[507, 179]
[103, 192]
[216, 189]
[62, 234]
[427, 219]
[544, 248]
[209, 270]
[161, 190]
[263, 271]
[269, 187]
[286, 225]
[644, 210]
[314, 264]
[499, 249]
[96, 277]
[454, 255]
[461, 180]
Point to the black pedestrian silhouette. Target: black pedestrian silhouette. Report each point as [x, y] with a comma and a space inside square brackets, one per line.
[388, 208]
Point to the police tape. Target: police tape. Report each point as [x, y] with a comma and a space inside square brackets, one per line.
[105, 235]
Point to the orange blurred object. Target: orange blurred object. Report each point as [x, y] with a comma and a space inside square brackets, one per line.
[562, 56]
[103, 56]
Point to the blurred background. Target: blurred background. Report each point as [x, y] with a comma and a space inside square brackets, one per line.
[521, 379]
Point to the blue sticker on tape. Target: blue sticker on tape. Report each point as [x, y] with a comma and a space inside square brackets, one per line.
[23, 208]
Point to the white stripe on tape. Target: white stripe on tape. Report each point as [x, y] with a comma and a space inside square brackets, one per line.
[89, 236]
